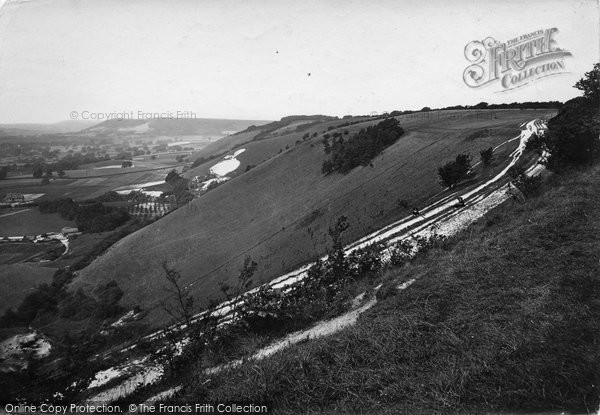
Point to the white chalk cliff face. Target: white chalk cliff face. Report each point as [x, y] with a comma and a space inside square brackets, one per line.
[17, 351]
[228, 164]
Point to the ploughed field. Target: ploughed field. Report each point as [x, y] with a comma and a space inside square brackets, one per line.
[90, 181]
[279, 211]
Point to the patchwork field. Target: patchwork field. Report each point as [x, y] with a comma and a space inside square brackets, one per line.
[86, 186]
[279, 212]
[30, 222]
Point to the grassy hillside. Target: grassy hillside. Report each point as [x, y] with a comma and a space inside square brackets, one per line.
[288, 127]
[504, 317]
[279, 212]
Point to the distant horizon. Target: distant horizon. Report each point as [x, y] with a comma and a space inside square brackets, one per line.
[265, 59]
[82, 121]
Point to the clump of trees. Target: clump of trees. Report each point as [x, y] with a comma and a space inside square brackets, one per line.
[360, 149]
[92, 217]
[487, 156]
[572, 137]
[51, 301]
[455, 171]
[512, 105]
[69, 162]
[180, 188]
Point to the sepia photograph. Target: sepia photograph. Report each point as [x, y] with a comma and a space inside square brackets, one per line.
[299, 207]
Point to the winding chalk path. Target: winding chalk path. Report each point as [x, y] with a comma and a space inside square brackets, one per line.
[442, 217]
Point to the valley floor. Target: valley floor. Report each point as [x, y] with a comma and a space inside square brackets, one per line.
[504, 317]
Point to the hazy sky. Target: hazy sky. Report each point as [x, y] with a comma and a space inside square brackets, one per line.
[251, 58]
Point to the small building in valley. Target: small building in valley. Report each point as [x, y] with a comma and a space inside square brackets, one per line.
[68, 231]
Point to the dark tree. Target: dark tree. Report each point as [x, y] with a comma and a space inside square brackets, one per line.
[327, 167]
[573, 134]
[337, 258]
[590, 84]
[326, 145]
[454, 171]
[183, 311]
[38, 170]
[487, 156]
[173, 176]
[244, 282]
[181, 192]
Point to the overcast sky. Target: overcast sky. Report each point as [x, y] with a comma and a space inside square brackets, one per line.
[251, 59]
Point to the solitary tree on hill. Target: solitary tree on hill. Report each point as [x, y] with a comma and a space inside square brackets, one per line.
[454, 171]
[487, 156]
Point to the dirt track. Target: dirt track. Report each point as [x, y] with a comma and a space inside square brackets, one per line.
[443, 217]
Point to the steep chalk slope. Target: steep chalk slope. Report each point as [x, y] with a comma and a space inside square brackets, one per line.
[442, 217]
[279, 212]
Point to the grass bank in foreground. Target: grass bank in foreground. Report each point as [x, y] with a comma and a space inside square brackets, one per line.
[505, 318]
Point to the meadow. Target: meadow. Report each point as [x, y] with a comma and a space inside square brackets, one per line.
[29, 221]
